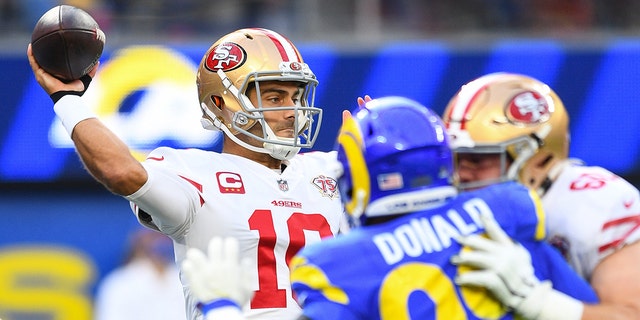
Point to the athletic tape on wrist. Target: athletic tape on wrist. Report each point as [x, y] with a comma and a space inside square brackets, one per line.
[70, 109]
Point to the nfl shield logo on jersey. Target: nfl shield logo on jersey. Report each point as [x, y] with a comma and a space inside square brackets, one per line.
[284, 186]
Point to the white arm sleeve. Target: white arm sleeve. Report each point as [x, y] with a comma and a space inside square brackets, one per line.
[170, 200]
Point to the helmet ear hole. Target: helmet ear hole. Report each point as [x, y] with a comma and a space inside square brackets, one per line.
[545, 161]
[217, 102]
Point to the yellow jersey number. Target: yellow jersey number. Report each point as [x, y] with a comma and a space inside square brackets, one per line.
[430, 279]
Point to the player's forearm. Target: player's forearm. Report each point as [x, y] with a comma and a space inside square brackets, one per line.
[615, 281]
[616, 285]
[107, 158]
[608, 311]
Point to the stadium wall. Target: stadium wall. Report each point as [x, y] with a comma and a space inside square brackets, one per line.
[61, 232]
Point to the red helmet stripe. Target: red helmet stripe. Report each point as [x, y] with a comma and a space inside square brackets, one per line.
[287, 50]
[465, 99]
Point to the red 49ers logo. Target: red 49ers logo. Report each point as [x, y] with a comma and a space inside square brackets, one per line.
[528, 107]
[226, 56]
[591, 181]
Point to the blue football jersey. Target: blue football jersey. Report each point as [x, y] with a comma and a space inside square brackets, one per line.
[401, 269]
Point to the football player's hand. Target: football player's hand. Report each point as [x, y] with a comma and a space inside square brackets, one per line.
[56, 88]
[363, 100]
[219, 280]
[504, 268]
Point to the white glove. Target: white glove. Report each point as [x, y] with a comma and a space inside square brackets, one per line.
[504, 268]
[221, 281]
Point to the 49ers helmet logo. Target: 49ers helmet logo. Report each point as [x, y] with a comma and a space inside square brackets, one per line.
[528, 107]
[226, 56]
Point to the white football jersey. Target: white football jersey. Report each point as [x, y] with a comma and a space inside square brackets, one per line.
[591, 213]
[193, 195]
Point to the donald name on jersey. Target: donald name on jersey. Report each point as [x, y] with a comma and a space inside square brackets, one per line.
[429, 234]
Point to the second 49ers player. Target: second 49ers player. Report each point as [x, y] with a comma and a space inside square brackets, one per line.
[507, 126]
[254, 86]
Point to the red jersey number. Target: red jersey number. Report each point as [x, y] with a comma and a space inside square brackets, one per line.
[591, 181]
[268, 295]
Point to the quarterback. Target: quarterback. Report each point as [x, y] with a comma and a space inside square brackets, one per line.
[254, 86]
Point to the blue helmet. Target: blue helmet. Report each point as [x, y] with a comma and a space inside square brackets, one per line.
[396, 159]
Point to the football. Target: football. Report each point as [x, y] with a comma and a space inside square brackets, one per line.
[67, 42]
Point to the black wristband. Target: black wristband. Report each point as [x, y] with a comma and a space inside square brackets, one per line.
[86, 80]
[58, 95]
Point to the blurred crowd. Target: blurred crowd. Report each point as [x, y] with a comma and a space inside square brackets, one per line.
[329, 19]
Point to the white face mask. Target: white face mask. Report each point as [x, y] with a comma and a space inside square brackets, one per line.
[307, 123]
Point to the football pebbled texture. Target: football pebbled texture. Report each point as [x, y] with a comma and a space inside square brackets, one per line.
[67, 42]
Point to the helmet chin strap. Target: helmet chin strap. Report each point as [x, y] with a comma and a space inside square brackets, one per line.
[280, 152]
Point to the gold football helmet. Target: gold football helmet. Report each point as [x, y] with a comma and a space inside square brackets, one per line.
[513, 115]
[241, 60]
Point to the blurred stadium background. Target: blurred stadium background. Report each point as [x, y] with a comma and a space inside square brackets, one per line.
[61, 232]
